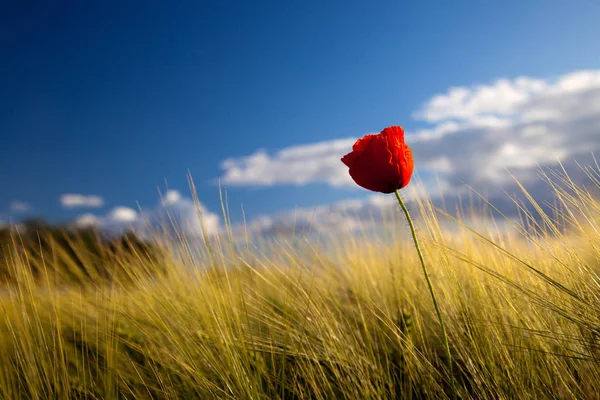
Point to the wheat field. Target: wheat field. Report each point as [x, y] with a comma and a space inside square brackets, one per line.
[342, 317]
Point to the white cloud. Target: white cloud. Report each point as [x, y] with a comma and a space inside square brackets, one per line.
[72, 200]
[18, 206]
[172, 197]
[123, 214]
[502, 99]
[546, 121]
[317, 162]
[520, 100]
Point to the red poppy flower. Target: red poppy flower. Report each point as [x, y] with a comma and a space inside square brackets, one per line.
[382, 162]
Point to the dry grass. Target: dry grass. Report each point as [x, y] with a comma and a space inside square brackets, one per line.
[354, 321]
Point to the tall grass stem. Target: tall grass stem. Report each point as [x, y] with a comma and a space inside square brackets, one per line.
[431, 291]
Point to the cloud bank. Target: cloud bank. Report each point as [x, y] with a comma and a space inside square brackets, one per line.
[73, 200]
[173, 209]
[477, 134]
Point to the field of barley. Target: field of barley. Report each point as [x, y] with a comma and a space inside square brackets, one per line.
[347, 316]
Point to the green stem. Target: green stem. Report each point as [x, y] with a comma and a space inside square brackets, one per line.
[431, 291]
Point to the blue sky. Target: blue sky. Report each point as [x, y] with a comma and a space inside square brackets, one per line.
[110, 99]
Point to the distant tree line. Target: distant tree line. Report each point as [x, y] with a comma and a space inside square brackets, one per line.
[58, 255]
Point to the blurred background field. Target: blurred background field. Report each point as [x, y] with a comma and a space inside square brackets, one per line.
[307, 316]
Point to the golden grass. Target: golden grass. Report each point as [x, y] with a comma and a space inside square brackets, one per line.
[352, 321]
